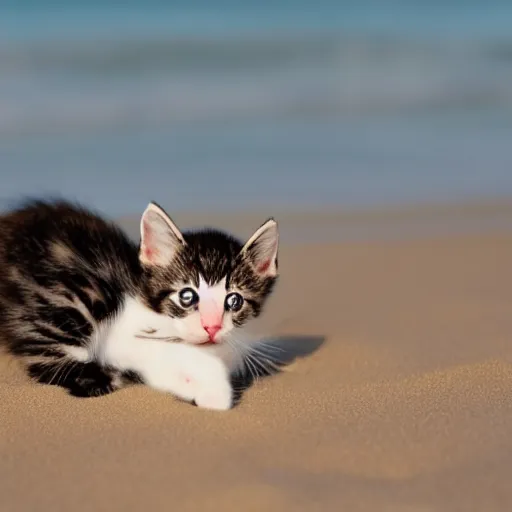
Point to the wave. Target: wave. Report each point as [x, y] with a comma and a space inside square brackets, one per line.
[91, 85]
[100, 56]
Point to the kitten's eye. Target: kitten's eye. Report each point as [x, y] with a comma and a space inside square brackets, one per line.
[188, 297]
[234, 302]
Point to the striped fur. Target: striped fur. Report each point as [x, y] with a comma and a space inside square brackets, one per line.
[67, 276]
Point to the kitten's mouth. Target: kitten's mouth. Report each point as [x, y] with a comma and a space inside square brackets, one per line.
[209, 343]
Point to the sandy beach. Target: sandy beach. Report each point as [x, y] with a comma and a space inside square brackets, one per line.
[397, 398]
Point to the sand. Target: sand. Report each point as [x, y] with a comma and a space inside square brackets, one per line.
[399, 399]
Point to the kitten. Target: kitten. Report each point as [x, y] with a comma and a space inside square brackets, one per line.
[87, 309]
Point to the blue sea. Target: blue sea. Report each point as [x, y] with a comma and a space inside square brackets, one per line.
[229, 105]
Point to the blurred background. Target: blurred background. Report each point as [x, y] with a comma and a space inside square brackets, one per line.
[227, 105]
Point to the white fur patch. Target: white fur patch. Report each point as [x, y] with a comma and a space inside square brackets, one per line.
[185, 370]
[216, 292]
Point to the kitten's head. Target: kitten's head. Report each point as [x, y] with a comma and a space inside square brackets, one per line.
[206, 283]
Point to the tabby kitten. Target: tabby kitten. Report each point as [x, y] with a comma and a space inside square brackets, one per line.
[85, 308]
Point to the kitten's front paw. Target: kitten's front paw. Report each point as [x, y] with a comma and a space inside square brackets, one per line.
[218, 397]
[205, 380]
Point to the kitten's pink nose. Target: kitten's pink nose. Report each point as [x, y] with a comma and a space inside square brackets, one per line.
[212, 330]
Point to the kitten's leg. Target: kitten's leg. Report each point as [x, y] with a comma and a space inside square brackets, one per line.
[210, 381]
[62, 361]
[191, 374]
[81, 379]
[93, 380]
[188, 372]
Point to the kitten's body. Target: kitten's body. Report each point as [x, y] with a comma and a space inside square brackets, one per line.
[87, 309]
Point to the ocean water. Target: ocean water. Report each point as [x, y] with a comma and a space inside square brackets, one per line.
[264, 104]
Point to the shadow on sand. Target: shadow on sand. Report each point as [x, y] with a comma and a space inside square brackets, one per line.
[271, 357]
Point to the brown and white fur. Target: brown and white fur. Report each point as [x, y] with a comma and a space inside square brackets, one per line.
[85, 308]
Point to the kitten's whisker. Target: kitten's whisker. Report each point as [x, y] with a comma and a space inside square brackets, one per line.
[238, 353]
[252, 367]
[262, 369]
[245, 357]
[250, 359]
[270, 346]
[264, 355]
[260, 363]
[245, 364]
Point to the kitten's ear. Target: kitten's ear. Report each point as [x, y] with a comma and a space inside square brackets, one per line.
[262, 247]
[160, 239]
